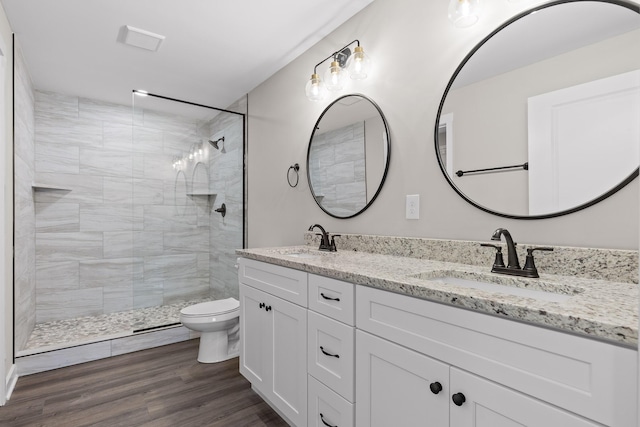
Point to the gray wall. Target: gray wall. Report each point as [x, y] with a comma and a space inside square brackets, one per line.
[415, 50]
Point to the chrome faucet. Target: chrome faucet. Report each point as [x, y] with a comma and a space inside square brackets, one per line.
[325, 243]
[513, 265]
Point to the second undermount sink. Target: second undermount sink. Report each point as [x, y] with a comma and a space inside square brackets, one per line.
[528, 288]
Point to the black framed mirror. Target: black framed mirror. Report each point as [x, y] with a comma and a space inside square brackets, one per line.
[541, 117]
[348, 156]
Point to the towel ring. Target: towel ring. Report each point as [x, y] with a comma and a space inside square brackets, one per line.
[295, 168]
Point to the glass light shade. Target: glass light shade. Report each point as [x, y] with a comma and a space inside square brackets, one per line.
[335, 77]
[315, 89]
[464, 13]
[359, 64]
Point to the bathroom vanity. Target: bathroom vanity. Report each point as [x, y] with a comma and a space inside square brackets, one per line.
[353, 338]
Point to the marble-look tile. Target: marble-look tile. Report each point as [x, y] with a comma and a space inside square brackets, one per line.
[107, 273]
[171, 268]
[57, 217]
[117, 297]
[92, 109]
[57, 275]
[179, 290]
[157, 166]
[73, 246]
[62, 130]
[148, 293]
[117, 137]
[64, 304]
[168, 218]
[118, 190]
[179, 144]
[105, 163]
[147, 140]
[103, 217]
[53, 158]
[66, 357]
[186, 241]
[82, 188]
[169, 122]
[148, 191]
[49, 104]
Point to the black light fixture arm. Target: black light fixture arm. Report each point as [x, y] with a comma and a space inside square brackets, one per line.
[335, 55]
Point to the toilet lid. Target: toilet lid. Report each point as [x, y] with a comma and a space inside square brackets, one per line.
[212, 307]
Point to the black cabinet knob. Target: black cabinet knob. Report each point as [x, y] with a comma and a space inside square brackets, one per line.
[268, 308]
[458, 399]
[261, 305]
[435, 387]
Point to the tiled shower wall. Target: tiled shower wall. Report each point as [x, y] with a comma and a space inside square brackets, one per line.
[120, 232]
[25, 249]
[339, 172]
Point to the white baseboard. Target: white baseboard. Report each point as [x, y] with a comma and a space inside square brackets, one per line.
[12, 379]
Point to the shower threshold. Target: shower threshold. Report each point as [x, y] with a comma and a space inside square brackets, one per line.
[59, 334]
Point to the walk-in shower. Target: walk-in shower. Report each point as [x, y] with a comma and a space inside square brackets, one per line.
[127, 228]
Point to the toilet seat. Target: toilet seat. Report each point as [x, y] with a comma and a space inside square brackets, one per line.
[209, 308]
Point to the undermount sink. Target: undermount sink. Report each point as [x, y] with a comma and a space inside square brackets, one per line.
[528, 288]
[303, 253]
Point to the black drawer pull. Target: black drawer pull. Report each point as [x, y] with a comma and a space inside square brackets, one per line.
[337, 356]
[261, 305]
[326, 423]
[329, 298]
[268, 308]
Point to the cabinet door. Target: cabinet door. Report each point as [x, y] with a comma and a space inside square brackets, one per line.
[393, 386]
[256, 327]
[289, 356]
[487, 404]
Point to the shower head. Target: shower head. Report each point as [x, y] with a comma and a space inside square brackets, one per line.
[215, 143]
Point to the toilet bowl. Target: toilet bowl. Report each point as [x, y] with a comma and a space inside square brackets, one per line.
[215, 320]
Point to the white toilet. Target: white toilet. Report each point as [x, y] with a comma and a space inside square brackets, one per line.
[216, 320]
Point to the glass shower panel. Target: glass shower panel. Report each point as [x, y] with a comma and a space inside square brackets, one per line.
[188, 202]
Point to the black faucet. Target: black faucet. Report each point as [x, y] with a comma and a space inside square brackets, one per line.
[512, 255]
[325, 243]
[513, 265]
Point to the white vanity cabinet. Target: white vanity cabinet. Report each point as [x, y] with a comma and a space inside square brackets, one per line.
[331, 352]
[273, 335]
[510, 373]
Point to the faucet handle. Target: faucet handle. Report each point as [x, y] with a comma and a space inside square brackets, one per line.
[529, 264]
[499, 260]
[332, 245]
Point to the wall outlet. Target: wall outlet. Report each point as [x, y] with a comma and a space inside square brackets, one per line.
[413, 206]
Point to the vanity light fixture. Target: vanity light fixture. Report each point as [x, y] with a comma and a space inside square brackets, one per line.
[356, 65]
[464, 13]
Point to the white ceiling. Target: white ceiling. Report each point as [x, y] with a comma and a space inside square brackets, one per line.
[215, 51]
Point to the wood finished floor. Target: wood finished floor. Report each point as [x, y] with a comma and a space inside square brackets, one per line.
[159, 387]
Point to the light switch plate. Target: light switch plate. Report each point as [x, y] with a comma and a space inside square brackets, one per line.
[413, 206]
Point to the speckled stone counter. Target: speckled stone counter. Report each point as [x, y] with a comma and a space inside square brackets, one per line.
[596, 308]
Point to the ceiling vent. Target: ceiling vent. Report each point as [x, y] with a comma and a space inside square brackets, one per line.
[141, 38]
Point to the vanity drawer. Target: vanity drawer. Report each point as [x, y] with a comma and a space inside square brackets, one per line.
[330, 353]
[588, 377]
[283, 282]
[325, 404]
[333, 298]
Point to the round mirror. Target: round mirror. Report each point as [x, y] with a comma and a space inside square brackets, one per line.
[348, 156]
[541, 118]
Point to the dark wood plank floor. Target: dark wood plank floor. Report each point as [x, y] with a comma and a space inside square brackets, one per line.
[159, 387]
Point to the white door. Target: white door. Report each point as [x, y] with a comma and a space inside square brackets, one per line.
[487, 404]
[289, 355]
[583, 141]
[394, 386]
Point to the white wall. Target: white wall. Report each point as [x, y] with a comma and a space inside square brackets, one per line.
[415, 49]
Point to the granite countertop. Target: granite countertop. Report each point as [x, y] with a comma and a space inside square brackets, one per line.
[595, 308]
